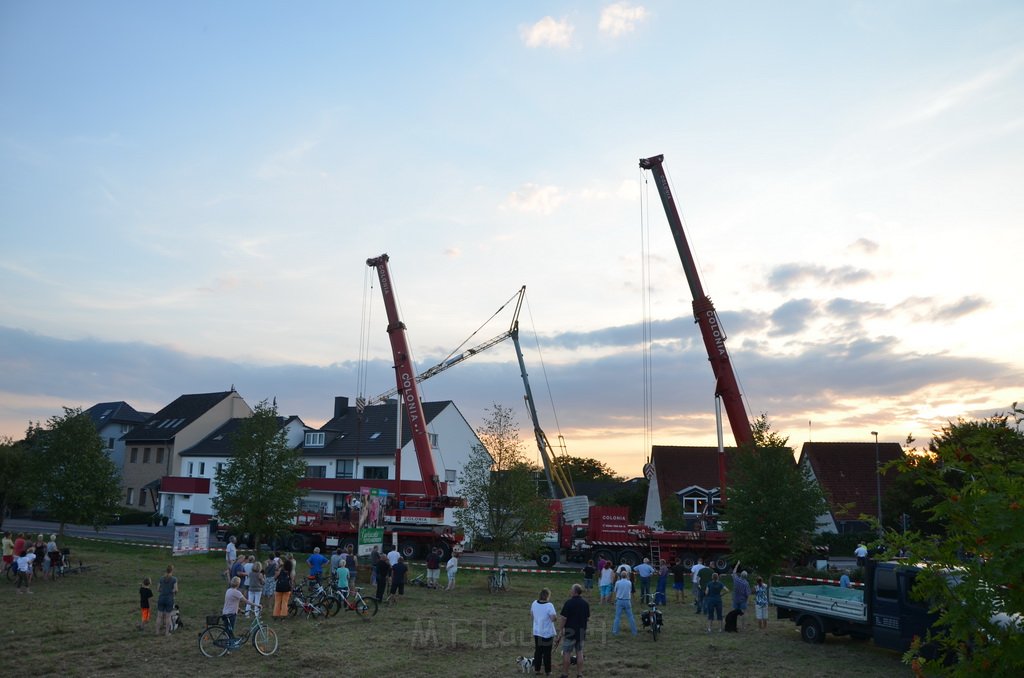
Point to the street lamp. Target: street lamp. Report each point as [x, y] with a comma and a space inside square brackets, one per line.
[878, 482]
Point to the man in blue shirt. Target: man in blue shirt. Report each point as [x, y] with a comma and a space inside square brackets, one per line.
[644, 571]
[624, 603]
[316, 564]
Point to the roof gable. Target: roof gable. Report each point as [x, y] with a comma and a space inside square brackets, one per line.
[218, 443]
[679, 467]
[118, 412]
[370, 432]
[184, 410]
[847, 476]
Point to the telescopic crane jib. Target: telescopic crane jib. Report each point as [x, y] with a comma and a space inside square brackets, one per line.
[433, 488]
[726, 386]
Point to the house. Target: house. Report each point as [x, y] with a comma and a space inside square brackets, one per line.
[112, 422]
[358, 449]
[847, 474]
[686, 474]
[191, 493]
[152, 448]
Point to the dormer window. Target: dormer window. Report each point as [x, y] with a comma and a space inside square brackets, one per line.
[314, 439]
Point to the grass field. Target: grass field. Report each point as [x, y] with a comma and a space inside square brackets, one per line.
[85, 625]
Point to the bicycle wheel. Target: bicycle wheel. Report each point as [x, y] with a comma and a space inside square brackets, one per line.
[654, 629]
[213, 641]
[12, 573]
[367, 608]
[265, 640]
[293, 608]
[492, 584]
[331, 606]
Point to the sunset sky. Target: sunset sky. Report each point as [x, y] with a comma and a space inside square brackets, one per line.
[189, 192]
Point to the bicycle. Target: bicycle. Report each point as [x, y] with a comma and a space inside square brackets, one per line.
[652, 619]
[498, 580]
[215, 641]
[364, 607]
[311, 609]
[318, 595]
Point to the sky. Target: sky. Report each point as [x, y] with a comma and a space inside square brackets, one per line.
[189, 193]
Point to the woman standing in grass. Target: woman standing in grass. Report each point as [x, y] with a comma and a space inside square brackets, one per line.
[168, 588]
[543, 614]
[606, 581]
[283, 589]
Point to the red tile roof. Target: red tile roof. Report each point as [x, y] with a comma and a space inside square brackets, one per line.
[679, 467]
[846, 474]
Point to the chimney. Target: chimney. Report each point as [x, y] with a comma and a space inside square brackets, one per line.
[340, 406]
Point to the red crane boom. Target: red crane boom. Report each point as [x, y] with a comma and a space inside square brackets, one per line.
[405, 378]
[726, 386]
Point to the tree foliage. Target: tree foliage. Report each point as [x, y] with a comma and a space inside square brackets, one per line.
[71, 475]
[630, 494]
[497, 481]
[13, 475]
[258, 489]
[772, 504]
[976, 472]
[586, 469]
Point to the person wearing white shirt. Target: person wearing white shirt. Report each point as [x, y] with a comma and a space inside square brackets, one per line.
[543, 613]
[393, 557]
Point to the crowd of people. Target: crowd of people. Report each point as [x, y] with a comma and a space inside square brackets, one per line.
[31, 561]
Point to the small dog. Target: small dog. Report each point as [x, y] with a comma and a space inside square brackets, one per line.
[525, 663]
[176, 621]
[730, 621]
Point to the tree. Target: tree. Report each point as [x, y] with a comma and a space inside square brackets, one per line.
[585, 469]
[72, 477]
[976, 565]
[497, 482]
[13, 475]
[258, 490]
[773, 505]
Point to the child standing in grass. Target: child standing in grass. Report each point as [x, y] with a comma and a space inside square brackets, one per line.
[145, 593]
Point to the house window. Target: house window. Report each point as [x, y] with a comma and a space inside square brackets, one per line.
[190, 469]
[110, 443]
[202, 468]
[130, 498]
[220, 466]
[145, 455]
[135, 455]
[375, 473]
[159, 455]
[314, 439]
[344, 468]
[142, 497]
[449, 475]
[316, 471]
[433, 440]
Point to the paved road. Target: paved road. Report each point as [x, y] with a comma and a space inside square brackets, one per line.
[140, 533]
[165, 535]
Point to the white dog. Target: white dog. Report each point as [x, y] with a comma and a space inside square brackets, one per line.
[525, 663]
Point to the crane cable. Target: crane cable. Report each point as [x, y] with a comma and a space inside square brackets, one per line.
[645, 302]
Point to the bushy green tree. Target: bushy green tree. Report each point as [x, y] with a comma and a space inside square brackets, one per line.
[13, 475]
[772, 504]
[497, 481]
[258, 489]
[586, 469]
[72, 478]
[976, 564]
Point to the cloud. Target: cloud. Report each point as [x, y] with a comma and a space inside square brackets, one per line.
[864, 245]
[548, 32]
[793, 317]
[965, 92]
[621, 18]
[786, 276]
[453, 252]
[534, 198]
